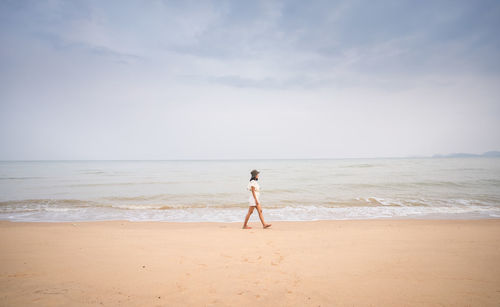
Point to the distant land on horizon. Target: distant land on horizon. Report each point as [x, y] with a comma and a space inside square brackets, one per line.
[468, 155]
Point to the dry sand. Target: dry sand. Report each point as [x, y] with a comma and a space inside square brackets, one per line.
[324, 263]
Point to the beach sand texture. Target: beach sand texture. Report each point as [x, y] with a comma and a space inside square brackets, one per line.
[321, 263]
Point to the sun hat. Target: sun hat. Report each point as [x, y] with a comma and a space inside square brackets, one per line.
[254, 172]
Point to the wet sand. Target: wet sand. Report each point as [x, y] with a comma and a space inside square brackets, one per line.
[323, 263]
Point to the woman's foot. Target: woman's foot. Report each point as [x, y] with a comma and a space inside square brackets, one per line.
[247, 227]
[266, 226]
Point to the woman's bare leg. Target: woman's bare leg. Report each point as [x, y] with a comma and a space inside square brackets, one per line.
[261, 216]
[250, 211]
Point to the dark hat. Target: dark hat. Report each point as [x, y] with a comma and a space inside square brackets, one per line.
[254, 172]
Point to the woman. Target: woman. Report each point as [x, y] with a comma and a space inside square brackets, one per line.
[254, 189]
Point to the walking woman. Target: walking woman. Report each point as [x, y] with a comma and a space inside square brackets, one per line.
[253, 187]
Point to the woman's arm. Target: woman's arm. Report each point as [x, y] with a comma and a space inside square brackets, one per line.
[255, 196]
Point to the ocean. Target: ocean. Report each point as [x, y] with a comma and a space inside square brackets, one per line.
[215, 190]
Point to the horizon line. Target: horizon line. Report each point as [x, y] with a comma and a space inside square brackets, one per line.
[248, 159]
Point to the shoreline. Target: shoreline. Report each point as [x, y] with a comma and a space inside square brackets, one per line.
[378, 262]
[254, 219]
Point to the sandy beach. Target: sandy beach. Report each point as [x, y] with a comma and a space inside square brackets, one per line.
[322, 263]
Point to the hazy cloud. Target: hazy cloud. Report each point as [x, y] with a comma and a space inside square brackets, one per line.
[243, 79]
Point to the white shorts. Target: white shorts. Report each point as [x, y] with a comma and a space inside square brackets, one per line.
[251, 201]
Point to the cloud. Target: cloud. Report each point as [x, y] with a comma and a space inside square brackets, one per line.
[281, 38]
[347, 71]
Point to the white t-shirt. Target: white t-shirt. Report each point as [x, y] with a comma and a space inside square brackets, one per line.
[253, 183]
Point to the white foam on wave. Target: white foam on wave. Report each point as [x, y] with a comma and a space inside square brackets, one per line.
[289, 213]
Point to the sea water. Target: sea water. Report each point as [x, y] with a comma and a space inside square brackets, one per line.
[215, 191]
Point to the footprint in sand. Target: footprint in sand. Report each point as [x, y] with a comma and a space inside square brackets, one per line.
[180, 287]
[19, 275]
[279, 260]
[51, 291]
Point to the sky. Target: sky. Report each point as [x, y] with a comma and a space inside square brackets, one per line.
[247, 79]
